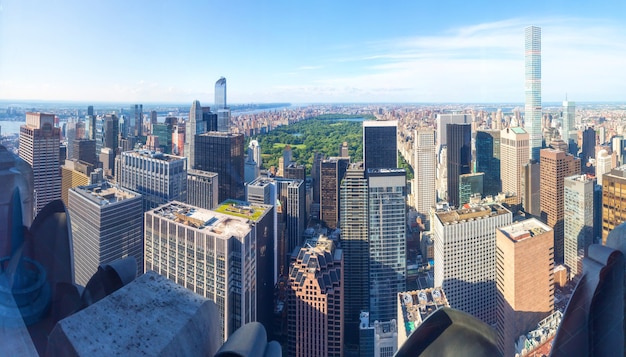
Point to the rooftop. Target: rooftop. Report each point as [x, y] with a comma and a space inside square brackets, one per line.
[417, 305]
[105, 193]
[524, 229]
[203, 220]
[471, 213]
[201, 173]
[251, 211]
[153, 155]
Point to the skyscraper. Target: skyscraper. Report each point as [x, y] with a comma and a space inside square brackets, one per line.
[579, 219]
[555, 165]
[465, 257]
[525, 281]
[316, 300]
[107, 133]
[442, 121]
[613, 200]
[159, 178]
[387, 240]
[532, 112]
[194, 126]
[514, 154]
[331, 174]
[223, 112]
[589, 146]
[202, 189]
[459, 138]
[222, 153]
[568, 130]
[354, 242]
[488, 160]
[39, 145]
[135, 127]
[107, 224]
[425, 171]
[380, 148]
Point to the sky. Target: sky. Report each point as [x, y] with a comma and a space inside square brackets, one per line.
[151, 51]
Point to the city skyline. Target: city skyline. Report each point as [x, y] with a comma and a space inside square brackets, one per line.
[304, 53]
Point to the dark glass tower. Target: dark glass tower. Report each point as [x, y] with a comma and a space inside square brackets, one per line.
[459, 138]
[331, 174]
[222, 153]
[589, 146]
[488, 160]
[380, 148]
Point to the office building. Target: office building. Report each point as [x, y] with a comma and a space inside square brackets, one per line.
[471, 186]
[514, 151]
[604, 164]
[465, 257]
[222, 153]
[415, 306]
[353, 214]
[532, 111]
[251, 170]
[74, 173]
[136, 120]
[107, 159]
[459, 138]
[442, 121]
[589, 146]
[202, 189]
[555, 166]
[223, 112]
[613, 200]
[90, 110]
[377, 338]
[380, 147]
[531, 188]
[579, 219]
[39, 146]
[387, 240]
[84, 150]
[194, 126]
[209, 118]
[316, 302]
[164, 132]
[107, 133]
[211, 254]
[525, 281]
[255, 150]
[568, 130]
[344, 150]
[488, 160]
[295, 171]
[331, 173]
[158, 177]
[425, 166]
[107, 224]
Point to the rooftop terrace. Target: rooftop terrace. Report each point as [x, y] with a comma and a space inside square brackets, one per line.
[524, 229]
[471, 213]
[417, 305]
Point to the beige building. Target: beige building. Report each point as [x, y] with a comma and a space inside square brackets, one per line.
[513, 155]
[73, 174]
[525, 281]
[613, 200]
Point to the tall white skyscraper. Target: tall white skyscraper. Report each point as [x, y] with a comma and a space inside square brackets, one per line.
[39, 146]
[465, 257]
[532, 112]
[568, 133]
[425, 168]
[194, 126]
[221, 107]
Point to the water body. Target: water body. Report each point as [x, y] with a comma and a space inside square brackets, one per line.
[10, 127]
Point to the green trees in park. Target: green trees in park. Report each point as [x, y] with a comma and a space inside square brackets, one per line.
[323, 134]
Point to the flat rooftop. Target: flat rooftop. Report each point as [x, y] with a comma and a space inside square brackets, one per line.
[524, 229]
[219, 224]
[242, 209]
[105, 194]
[471, 213]
[153, 155]
[203, 173]
[417, 305]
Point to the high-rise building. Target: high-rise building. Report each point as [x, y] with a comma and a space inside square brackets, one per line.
[588, 147]
[316, 300]
[380, 148]
[209, 118]
[107, 133]
[222, 153]
[531, 190]
[39, 145]
[613, 200]
[425, 166]
[194, 126]
[210, 253]
[255, 150]
[568, 130]
[579, 219]
[90, 110]
[331, 173]
[107, 224]
[488, 160]
[459, 138]
[555, 165]
[377, 338]
[532, 112]
[514, 151]
[415, 306]
[164, 132]
[74, 173]
[525, 280]
[353, 214]
[442, 121]
[604, 164]
[465, 257]
[470, 186]
[158, 177]
[136, 120]
[387, 240]
[85, 150]
[223, 112]
[202, 189]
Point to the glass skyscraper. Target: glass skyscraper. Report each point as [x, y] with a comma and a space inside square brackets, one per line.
[532, 113]
[380, 149]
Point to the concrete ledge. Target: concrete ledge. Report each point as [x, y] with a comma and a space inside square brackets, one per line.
[151, 316]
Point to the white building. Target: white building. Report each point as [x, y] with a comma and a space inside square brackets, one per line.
[578, 222]
[514, 151]
[465, 257]
[425, 165]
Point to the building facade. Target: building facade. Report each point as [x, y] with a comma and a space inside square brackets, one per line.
[332, 171]
[459, 138]
[107, 224]
[380, 148]
[514, 151]
[425, 169]
[525, 281]
[613, 200]
[579, 220]
[465, 257]
[532, 110]
[39, 146]
[194, 126]
[222, 153]
[202, 189]
[488, 160]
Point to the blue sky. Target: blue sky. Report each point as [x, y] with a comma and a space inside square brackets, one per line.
[307, 51]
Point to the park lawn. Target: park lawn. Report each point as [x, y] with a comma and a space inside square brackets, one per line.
[293, 146]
